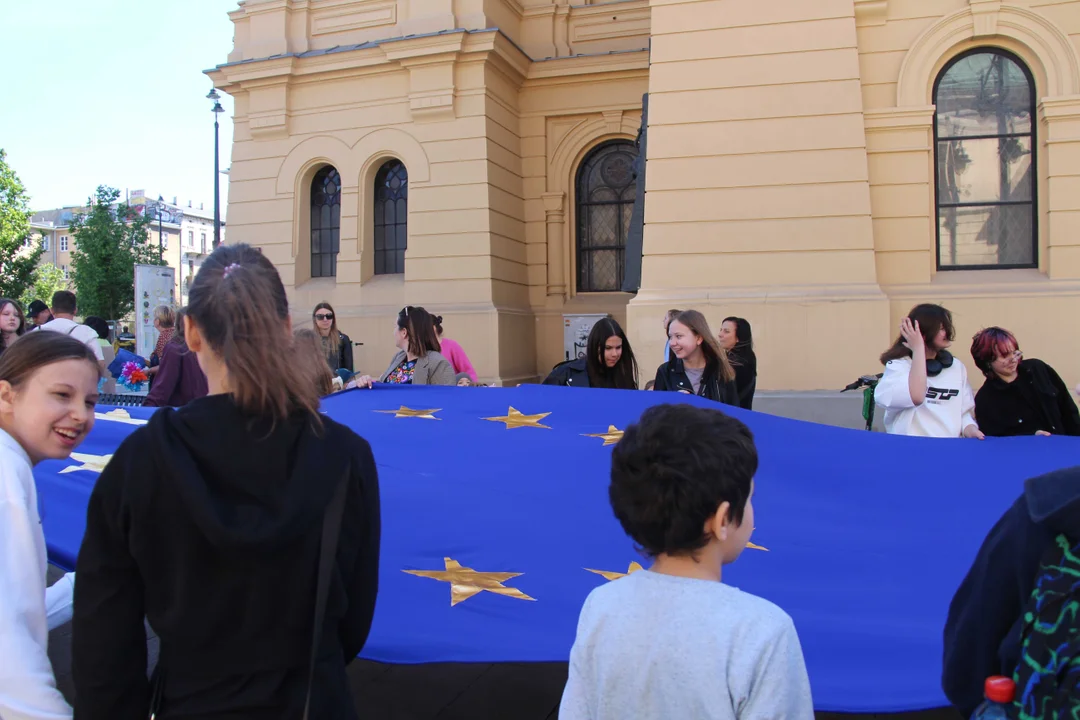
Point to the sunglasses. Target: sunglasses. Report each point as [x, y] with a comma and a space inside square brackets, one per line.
[324, 316]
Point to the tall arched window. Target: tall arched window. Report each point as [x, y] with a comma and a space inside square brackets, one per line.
[605, 200]
[391, 218]
[984, 133]
[325, 222]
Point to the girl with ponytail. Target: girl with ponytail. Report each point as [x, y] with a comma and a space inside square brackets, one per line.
[208, 523]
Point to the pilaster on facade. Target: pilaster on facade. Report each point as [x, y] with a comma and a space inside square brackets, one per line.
[555, 218]
[430, 62]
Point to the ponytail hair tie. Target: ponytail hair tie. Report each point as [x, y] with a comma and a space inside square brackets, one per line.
[229, 269]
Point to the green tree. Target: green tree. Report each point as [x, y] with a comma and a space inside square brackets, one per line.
[46, 280]
[110, 240]
[19, 253]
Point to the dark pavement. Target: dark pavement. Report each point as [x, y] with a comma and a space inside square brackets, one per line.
[444, 691]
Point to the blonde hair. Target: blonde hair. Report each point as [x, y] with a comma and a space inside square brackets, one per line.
[165, 316]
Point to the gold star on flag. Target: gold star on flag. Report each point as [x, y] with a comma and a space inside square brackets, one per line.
[611, 575]
[611, 437]
[404, 412]
[466, 582]
[119, 415]
[752, 546]
[93, 463]
[515, 419]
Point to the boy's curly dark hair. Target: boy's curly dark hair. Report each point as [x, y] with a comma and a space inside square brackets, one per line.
[673, 469]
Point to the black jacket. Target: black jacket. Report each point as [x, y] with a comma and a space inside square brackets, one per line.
[572, 373]
[982, 634]
[672, 376]
[1036, 400]
[344, 357]
[745, 365]
[208, 524]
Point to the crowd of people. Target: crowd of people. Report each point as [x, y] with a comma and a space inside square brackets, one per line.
[240, 484]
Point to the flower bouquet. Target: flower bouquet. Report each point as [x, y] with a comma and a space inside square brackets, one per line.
[133, 376]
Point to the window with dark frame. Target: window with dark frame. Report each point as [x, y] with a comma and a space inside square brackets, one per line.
[325, 222]
[984, 141]
[391, 213]
[605, 190]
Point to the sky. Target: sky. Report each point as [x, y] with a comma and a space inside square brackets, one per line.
[112, 92]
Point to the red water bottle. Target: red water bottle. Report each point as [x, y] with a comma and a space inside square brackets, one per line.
[1000, 693]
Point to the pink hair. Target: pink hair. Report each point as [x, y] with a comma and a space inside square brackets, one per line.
[990, 344]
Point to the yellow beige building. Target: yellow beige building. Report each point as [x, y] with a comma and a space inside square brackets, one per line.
[815, 166]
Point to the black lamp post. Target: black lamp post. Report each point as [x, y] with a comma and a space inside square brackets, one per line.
[217, 109]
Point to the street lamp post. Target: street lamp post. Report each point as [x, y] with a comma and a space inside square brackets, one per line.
[160, 228]
[217, 109]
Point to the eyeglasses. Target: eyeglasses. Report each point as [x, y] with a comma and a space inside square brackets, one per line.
[324, 316]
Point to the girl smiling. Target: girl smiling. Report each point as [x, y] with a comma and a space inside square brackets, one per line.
[48, 389]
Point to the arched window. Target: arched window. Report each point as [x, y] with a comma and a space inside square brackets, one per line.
[605, 200]
[391, 218]
[984, 133]
[325, 222]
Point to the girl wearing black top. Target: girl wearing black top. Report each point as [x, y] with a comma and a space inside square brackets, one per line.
[335, 344]
[208, 522]
[1019, 397]
[738, 340]
[700, 366]
[608, 363]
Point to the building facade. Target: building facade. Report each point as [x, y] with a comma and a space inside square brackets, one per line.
[815, 166]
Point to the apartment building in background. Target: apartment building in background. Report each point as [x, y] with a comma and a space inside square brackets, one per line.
[184, 232]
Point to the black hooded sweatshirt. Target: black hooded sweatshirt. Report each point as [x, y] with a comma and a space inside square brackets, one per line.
[983, 632]
[208, 524]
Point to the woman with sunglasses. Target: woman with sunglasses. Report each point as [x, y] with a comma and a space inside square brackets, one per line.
[925, 391]
[1019, 397]
[336, 345]
[418, 360]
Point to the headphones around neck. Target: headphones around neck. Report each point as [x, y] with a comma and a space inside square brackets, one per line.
[934, 366]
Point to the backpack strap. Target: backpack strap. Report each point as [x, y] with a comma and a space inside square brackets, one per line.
[331, 529]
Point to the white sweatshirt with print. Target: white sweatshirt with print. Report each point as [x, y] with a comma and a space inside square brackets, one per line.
[27, 610]
[949, 406]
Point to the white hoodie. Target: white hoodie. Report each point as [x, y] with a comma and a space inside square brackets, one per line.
[27, 686]
[949, 406]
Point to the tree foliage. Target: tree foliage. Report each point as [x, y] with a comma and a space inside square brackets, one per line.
[110, 240]
[46, 280]
[18, 258]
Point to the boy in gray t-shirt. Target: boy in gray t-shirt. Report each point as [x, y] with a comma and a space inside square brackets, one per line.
[673, 641]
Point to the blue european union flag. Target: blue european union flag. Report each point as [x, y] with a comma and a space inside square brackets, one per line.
[496, 525]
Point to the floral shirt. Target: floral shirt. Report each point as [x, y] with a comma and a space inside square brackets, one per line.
[402, 374]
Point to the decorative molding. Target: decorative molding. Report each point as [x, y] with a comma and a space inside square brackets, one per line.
[356, 16]
[613, 119]
[350, 161]
[268, 126]
[871, 12]
[984, 14]
[608, 21]
[1060, 108]
[1044, 42]
[553, 205]
[908, 118]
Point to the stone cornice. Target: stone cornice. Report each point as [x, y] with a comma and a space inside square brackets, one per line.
[427, 50]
